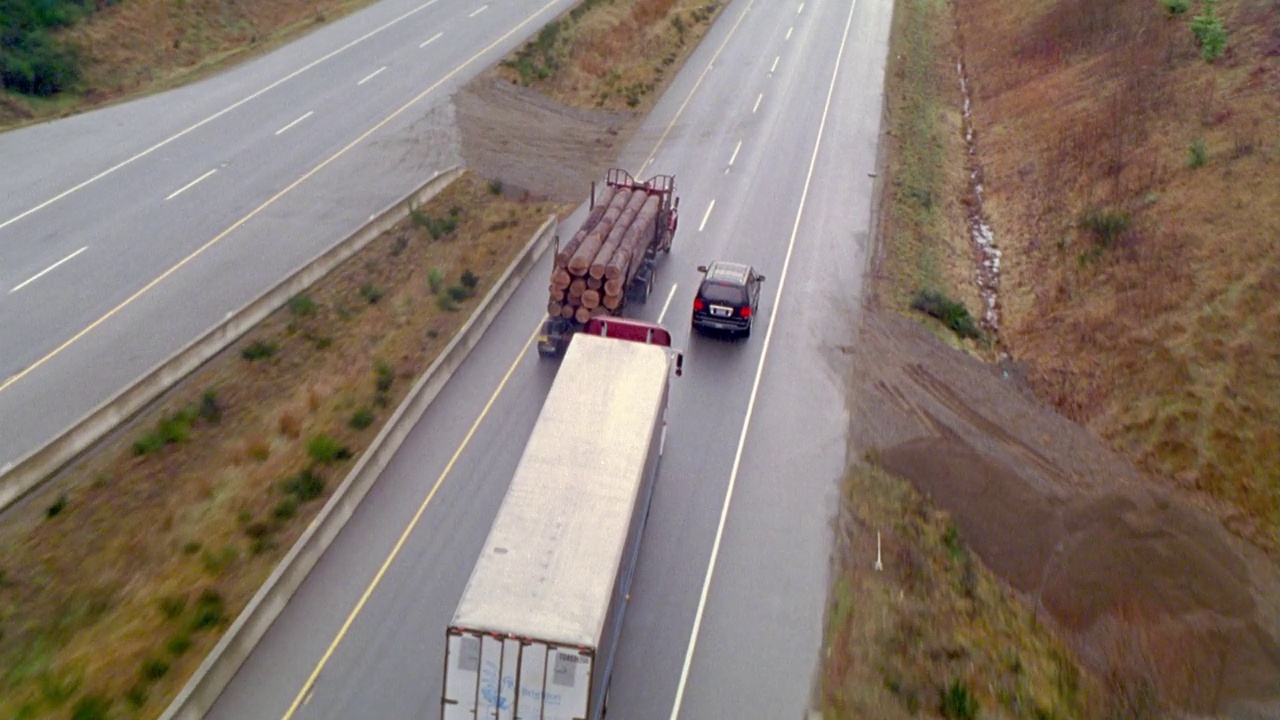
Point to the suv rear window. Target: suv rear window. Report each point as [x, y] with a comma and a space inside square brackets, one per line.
[718, 292]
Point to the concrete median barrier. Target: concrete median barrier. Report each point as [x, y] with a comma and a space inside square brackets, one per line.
[221, 665]
[27, 473]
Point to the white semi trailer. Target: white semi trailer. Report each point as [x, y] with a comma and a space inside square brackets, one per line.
[535, 632]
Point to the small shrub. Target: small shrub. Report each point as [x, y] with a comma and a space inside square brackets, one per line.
[302, 305]
[385, 375]
[953, 314]
[958, 703]
[469, 279]
[211, 611]
[216, 563]
[154, 669]
[171, 606]
[57, 688]
[445, 302]
[458, 293]
[495, 187]
[1197, 154]
[402, 242]
[420, 218]
[435, 281]
[259, 350]
[191, 547]
[1107, 225]
[257, 530]
[1210, 34]
[286, 509]
[361, 419]
[1176, 7]
[951, 541]
[371, 293]
[178, 644]
[56, 508]
[305, 486]
[136, 695]
[210, 411]
[324, 449]
[91, 707]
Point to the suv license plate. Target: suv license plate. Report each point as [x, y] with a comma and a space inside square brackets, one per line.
[721, 311]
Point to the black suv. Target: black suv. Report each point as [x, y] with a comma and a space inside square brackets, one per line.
[728, 298]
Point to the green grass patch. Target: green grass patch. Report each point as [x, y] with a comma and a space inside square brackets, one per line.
[302, 305]
[210, 611]
[178, 645]
[1197, 154]
[384, 376]
[153, 669]
[259, 350]
[91, 707]
[952, 314]
[437, 227]
[371, 293]
[324, 449]
[305, 486]
[1107, 225]
[176, 428]
[435, 281]
[361, 419]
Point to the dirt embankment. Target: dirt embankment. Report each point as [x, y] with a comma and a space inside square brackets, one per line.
[1130, 188]
[1151, 589]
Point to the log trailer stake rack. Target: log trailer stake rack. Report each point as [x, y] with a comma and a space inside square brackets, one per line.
[612, 259]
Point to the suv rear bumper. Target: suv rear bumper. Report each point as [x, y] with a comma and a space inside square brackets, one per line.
[732, 324]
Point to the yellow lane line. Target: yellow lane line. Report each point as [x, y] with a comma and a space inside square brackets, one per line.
[404, 536]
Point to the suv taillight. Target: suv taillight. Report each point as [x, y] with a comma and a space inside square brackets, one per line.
[697, 304]
[746, 311]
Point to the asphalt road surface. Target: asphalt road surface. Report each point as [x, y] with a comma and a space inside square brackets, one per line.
[127, 232]
[771, 131]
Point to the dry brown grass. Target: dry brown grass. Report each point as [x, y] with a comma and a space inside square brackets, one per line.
[1165, 340]
[922, 224]
[934, 616]
[137, 47]
[616, 56]
[140, 535]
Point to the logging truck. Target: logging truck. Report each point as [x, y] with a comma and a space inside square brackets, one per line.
[535, 632]
[612, 258]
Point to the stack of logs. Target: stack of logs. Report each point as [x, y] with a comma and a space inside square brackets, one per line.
[592, 269]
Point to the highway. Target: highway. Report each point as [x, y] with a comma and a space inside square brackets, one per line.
[771, 130]
[127, 232]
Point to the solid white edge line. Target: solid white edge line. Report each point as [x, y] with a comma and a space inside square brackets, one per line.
[706, 215]
[755, 385]
[295, 122]
[667, 304]
[757, 106]
[47, 270]
[213, 117]
[190, 185]
[372, 75]
[433, 39]
[477, 12]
